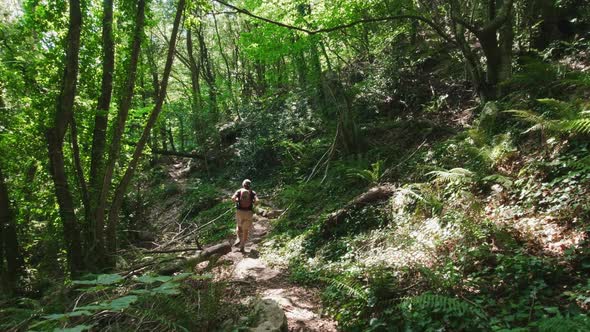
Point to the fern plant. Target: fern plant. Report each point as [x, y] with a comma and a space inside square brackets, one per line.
[560, 323]
[372, 176]
[351, 288]
[560, 118]
[428, 310]
[453, 176]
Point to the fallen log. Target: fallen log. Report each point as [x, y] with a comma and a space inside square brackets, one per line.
[374, 194]
[190, 262]
[168, 251]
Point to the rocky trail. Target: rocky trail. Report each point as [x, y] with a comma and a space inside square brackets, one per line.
[251, 280]
[250, 277]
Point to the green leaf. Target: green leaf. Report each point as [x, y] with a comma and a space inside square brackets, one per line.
[68, 315]
[122, 302]
[101, 279]
[146, 279]
[167, 289]
[77, 328]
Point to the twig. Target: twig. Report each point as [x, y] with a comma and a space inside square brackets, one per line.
[405, 159]
[170, 250]
[195, 230]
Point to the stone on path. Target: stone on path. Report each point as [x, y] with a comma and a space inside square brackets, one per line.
[255, 269]
[271, 317]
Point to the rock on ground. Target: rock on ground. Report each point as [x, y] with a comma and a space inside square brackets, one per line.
[271, 317]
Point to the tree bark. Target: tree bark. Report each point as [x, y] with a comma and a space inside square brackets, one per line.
[55, 139]
[78, 166]
[496, 38]
[228, 80]
[374, 194]
[123, 112]
[191, 262]
[194, 67]
[113, 219]
[10, 259]
[94, 231]
[208, 74]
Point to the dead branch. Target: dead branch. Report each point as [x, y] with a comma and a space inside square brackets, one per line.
[190, 262]
[374, 194]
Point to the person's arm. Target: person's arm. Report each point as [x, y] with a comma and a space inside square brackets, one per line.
[255, 200]
[235, 197]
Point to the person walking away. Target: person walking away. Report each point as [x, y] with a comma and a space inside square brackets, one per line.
[245, 198]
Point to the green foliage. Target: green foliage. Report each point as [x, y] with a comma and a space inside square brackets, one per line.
[350, 288]
[561, 324]
[201, 196]
[223, 222]
[458, 176]
[371, 176]
[559, 117]
[432, 311]
[181, 302]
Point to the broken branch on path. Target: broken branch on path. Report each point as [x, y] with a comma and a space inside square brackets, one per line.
[167, 251]
[190, 262]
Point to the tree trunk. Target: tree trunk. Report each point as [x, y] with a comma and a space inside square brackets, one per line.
[78, 166]
[208, 73]
[496, 38]
[163, 135]
[181, 128]
[195, 69]
[55, 139]
[94, 230]
[113, 220]
[228, 80]
[124, 106]
[171, 138]
[10, 259]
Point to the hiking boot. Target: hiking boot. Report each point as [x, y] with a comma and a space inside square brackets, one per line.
[237, 243]
[242, 250]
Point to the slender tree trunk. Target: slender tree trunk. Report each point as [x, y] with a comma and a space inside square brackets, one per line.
[113, 220]
[208, 73]
[300, 64]
[171, 138]
[195, 69]
[260, 78]
[153, 71]
[55, 139]
[227, 69]
[78, 166]
[181, 127]
[316, 75]
[124, 106]
[163, 134]
[10, 259]
[94, 230]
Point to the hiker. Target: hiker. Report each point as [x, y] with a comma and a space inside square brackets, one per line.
[245, 199]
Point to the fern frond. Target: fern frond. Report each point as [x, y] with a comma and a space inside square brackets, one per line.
[580, 164]
[455, 175]
[578, 126]
[441, 303]
[578, 323]
[351, 288]
[527, 116]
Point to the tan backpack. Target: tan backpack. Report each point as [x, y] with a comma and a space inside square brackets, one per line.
[245, 199]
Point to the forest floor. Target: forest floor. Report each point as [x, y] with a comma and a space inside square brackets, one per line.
[250, 276]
